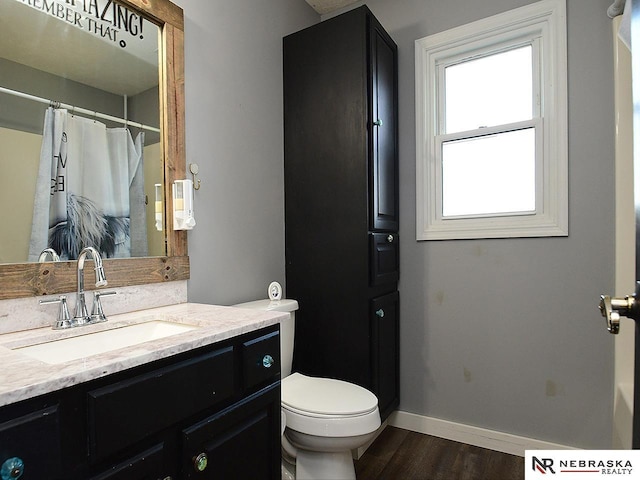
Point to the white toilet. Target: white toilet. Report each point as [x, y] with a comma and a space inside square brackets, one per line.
[324, 418]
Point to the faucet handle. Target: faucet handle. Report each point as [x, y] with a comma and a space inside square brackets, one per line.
[97, 314]
[64, 319]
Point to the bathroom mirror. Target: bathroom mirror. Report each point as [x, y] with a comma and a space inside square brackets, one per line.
[28, 279]
[96, 61]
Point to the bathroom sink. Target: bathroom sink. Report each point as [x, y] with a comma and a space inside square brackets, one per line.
[87, 345]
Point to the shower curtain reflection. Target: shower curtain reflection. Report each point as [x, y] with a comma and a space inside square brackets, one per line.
[89, 190]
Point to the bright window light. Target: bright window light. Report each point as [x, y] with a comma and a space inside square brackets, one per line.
[492, 90]
[489, 175]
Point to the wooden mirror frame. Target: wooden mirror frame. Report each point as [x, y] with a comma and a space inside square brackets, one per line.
[32, 279]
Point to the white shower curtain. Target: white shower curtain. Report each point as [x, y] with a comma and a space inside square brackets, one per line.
[86, 181]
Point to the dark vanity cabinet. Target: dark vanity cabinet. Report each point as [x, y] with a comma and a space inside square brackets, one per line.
[341, 201]
[32, 437]
[213, 412]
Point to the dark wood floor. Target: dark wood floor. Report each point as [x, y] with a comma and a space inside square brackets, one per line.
[401, 454]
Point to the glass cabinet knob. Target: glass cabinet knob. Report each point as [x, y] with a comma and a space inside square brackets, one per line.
[11, 469]
[200, 462]
[267, 361]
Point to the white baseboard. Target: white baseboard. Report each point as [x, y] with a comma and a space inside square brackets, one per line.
[480, 437]
[623, 417]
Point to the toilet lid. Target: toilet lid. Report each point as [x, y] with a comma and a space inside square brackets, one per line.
[326, 396]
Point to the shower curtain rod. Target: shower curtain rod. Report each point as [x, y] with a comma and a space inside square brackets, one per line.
[73, 109]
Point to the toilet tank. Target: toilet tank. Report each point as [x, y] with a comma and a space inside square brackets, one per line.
[287, 327]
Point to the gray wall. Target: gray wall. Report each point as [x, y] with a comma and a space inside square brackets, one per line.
[505, 334]
[28, 116]
[500, 334]
[233, 88]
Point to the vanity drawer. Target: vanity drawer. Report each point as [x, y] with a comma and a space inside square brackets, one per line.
[125, 412]
[146, 465]
[261, 360]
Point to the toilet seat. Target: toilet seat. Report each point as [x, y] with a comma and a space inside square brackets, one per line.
[326, 396]
[328, 407]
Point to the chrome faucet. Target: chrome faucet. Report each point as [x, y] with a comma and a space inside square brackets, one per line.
[82, 316]
[48, 252]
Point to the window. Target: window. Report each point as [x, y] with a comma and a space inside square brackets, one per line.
[491, 127]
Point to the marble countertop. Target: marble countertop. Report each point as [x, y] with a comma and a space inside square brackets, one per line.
[22, 377]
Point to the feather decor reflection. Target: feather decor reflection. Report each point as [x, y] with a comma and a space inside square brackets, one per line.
[86, 225]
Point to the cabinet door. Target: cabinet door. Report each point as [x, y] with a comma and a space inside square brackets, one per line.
[242, 441]
[384, 171]
[385, 315]
[385, 258]
[34, 439]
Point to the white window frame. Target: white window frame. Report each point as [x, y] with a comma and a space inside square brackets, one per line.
[542, 25]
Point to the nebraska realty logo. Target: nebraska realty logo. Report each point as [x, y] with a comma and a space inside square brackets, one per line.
[581, 464]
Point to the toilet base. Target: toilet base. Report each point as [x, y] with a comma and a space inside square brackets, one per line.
[324, 465]
[288, 469]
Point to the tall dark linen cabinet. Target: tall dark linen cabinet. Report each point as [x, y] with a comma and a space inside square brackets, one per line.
[341, 201]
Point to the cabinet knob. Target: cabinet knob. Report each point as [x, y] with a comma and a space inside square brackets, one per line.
[380, 313]
[267, 361]
[11, 469]
[390, 239]
[377, 122]
[200, 462]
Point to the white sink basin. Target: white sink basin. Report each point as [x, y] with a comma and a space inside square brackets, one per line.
[87, 345]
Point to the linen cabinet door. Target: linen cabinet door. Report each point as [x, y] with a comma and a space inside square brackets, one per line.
[384, 258]
[384, 168]
[385, 324]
